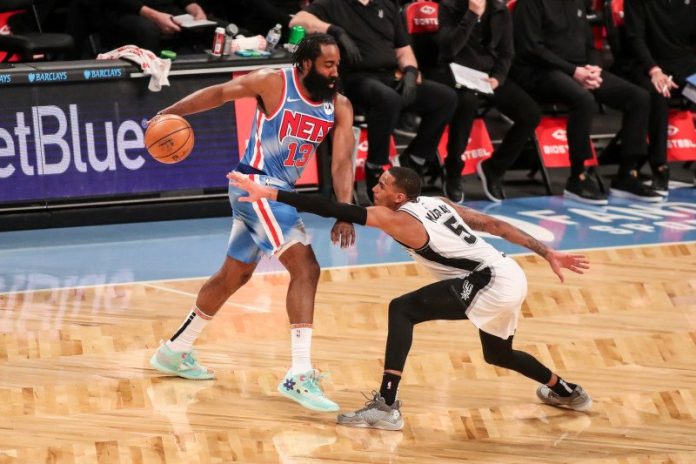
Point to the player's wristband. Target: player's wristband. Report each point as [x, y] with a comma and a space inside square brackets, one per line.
[322, 206]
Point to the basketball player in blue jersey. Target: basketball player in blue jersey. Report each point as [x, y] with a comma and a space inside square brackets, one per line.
[297, 108]
[475, 282]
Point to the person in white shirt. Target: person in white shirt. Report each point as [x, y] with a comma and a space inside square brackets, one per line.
[475, 282]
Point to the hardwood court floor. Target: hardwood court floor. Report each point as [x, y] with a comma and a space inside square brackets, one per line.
[76, 386]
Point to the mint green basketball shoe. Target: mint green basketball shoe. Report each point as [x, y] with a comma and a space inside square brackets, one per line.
[182, 364]
[305, 388]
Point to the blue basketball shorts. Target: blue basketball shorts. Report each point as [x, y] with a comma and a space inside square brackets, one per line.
[263, 227]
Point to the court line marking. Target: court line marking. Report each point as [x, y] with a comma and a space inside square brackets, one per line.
[254, 309]
[330, 268]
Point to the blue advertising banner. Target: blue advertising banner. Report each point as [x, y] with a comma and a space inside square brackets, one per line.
[71, 141]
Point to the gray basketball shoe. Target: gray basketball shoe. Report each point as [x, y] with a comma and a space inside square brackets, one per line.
[579, 400]
[376, 414]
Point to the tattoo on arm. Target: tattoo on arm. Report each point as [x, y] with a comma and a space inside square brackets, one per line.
[481, 222]
[514, 235]
[535, 245]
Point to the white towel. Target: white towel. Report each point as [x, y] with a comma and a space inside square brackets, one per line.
[150, 64]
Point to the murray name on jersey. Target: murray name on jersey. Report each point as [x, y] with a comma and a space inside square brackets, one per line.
[437, 212]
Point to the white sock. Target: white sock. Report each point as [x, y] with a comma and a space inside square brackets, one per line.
[183, 339]
[301, 342]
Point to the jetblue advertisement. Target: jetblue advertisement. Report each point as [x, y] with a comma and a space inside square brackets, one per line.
[70, 141]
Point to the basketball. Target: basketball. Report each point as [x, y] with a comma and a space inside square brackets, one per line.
[169, 138]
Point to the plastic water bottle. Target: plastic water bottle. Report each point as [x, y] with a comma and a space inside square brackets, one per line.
[273, 37]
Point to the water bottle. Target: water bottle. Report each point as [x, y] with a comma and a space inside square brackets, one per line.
[273, 37]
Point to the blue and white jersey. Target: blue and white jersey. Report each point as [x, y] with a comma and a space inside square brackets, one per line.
[282, 143]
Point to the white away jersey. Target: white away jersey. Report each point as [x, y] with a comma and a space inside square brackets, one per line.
[453, 249]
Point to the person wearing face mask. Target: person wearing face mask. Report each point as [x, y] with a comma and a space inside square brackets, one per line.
[381, 76]
[555, 60]
[297, 108]
[661, 36]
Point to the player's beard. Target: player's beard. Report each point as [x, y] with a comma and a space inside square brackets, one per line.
[318, 86]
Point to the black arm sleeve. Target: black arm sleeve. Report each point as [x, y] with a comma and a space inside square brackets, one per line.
[322, 206]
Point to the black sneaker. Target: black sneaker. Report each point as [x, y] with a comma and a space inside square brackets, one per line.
[660, 180]
[371, 179]
[406, 161]
[632, 188]
[584, 190]
[408, 124]
[492, 187]
[452, 188]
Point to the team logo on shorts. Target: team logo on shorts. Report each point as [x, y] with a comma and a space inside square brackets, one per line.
[328, 108]
[467, 290]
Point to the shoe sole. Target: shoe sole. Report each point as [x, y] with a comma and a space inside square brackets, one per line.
[154, 363]
[663, 192]
[586, 406]
[578, 198]
[405, 133]
[631, 196]
[381, 425]
[302, 402]
[484, 184]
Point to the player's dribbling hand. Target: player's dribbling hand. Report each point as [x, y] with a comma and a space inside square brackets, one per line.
[343, 233]
[558, 260]
[149, 121]
[256, 191]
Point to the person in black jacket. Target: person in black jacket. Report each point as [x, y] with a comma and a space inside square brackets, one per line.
[478, 34]
[556, 60]
[146, 23]
[661, 35]
[381, 76]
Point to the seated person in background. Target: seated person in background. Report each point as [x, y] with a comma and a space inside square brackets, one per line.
[478, 34]
[662, 37]
[380, 75]
[556, 60]
[146, 23]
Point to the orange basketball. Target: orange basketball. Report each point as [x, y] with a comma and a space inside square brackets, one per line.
[169, 138]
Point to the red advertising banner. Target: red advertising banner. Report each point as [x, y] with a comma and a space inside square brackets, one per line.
[552, 143]
[244, 110]
[361, 155]
[478, 148]
[681, 137]
[421, 17]
[5, 30]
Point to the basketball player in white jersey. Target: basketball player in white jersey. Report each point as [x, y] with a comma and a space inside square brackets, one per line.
[297, 108]
[475, 282]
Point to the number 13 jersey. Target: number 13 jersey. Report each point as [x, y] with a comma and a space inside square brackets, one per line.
[281, 144]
